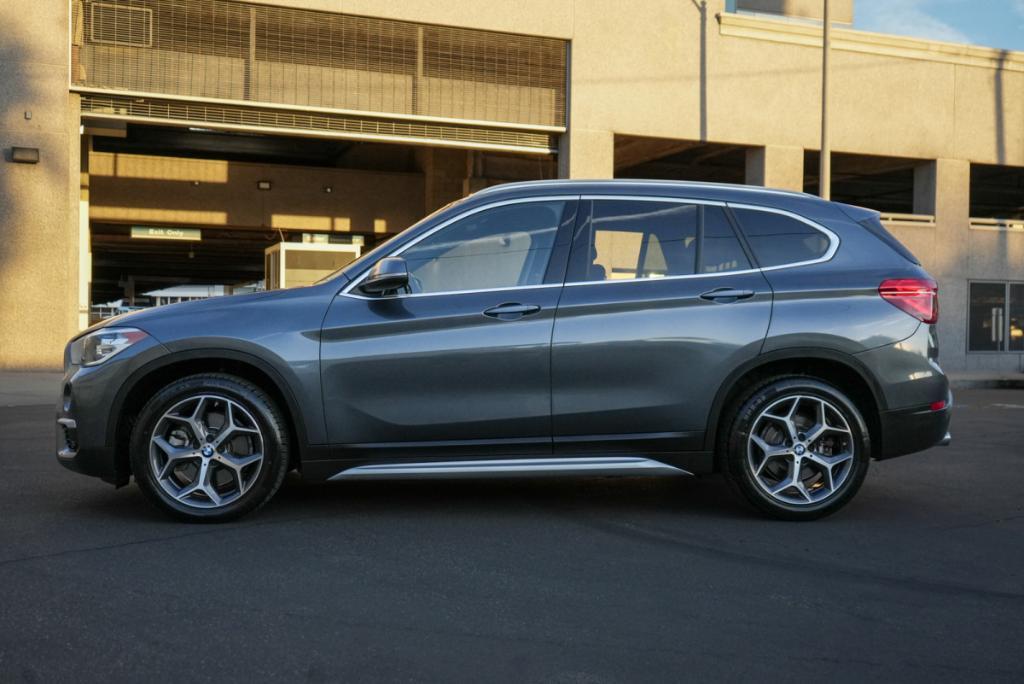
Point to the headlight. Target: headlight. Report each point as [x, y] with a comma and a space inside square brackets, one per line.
[97, 347]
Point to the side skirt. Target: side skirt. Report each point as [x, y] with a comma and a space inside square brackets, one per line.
[601, 466]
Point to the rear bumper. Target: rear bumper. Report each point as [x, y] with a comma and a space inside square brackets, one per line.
[907, 431]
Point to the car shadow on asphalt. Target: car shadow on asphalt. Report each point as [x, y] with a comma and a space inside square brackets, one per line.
[705, 497]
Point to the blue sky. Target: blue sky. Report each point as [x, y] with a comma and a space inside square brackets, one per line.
[994, 23]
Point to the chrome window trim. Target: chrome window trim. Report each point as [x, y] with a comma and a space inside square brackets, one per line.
[347, 291]
[834, 242]
[454, 292]
[832, 237]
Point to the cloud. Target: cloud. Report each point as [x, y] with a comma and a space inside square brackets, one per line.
[910, 18]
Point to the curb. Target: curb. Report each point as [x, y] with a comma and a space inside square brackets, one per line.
[986, 383]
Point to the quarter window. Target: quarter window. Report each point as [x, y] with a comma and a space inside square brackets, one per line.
[996, 317]
[778, 239]
[507, 246]
[639, 239]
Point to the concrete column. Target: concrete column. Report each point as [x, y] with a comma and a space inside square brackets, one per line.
[776, 166]
[444, 173]
[943, 188]
[38, 213]
[586, 154]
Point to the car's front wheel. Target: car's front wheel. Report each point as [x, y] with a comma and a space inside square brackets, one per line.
[209, 448]
[797, 448]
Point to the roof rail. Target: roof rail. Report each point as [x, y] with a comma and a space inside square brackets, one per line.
[639, 181]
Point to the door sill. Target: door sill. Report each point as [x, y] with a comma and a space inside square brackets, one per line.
[512, 467]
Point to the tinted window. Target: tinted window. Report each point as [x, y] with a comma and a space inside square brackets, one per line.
[507, 246]
[1016, 317]
[874, 225]
[778, 239]
[632, 239]
[720, 250]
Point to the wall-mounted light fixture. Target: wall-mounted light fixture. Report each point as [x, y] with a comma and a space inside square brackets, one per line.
[263, 185]
[25, 155]
[328, 189]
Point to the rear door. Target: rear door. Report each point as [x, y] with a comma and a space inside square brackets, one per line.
[661, 303]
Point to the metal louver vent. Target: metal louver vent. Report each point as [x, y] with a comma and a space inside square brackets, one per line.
[120, 25]
[226, 53]
[312, 123]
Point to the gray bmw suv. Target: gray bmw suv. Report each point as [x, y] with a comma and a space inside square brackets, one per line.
[533, 329]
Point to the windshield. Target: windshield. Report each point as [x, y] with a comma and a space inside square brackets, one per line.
[384, 247]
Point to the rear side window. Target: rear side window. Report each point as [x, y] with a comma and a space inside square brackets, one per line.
[638, 239]
[777, 239]
[644, 239]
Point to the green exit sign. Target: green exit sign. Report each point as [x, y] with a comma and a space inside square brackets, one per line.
[155, 233]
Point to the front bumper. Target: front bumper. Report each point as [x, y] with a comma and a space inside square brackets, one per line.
[87, 412]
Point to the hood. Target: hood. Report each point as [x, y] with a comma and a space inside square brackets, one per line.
[142, 318]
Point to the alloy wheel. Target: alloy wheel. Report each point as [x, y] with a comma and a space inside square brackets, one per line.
[206, 451]
[800, 450]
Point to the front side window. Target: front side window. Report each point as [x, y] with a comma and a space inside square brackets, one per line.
[996, 317]
[501, 247]
[640, 239]
[777, 239]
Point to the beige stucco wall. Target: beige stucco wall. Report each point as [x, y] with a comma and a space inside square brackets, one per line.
[38, 202]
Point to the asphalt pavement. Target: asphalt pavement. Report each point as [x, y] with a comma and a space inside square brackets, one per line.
[921, 578]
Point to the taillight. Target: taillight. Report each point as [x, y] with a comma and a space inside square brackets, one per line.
[919, 297]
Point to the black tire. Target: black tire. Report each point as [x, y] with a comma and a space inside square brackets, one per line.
[262, 410]
[733, 445]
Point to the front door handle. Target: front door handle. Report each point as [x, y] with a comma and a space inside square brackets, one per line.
[725, 295]
[511, 311]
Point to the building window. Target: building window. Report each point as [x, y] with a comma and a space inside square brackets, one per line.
[996, 317]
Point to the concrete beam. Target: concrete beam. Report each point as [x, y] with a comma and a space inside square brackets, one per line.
[586, 153]
[776, 166]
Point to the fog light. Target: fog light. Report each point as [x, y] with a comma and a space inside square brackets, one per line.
[937, 405]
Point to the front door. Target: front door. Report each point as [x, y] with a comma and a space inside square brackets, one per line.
[459, 364]
[660, 304]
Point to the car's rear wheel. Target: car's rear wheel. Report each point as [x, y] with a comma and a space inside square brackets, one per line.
[797, 448]
[210, 448]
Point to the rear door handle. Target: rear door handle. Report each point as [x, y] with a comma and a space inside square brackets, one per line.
[510, 311]
[726, 295]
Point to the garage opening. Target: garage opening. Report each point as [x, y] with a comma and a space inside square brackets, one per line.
[885, 184]
[666, 159]
[997, 196]
[184, 213]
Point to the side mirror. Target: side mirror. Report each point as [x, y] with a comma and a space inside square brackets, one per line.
[387, 275]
